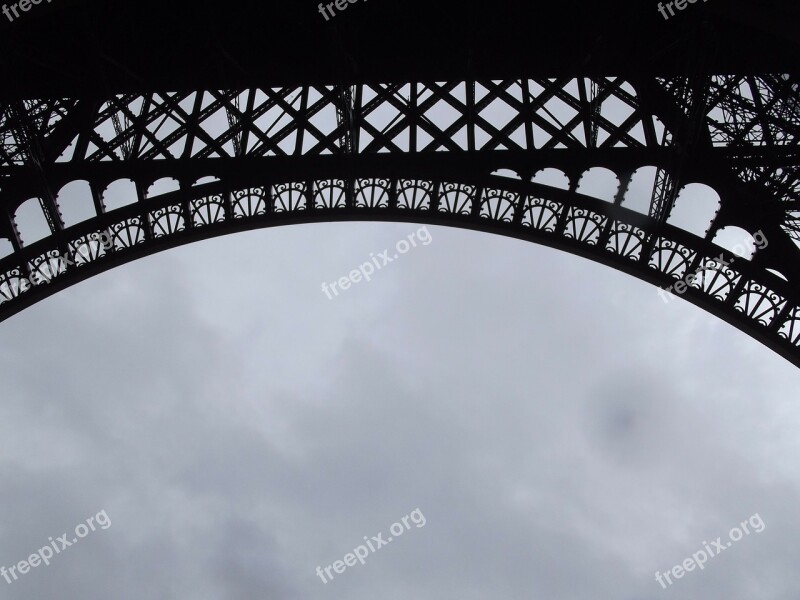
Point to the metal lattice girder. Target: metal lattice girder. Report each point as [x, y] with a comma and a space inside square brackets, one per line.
[425, 151]
[750, 298]
[27, 123]
[691, 95]
[587, 114]
[763, 113]
[172, 126]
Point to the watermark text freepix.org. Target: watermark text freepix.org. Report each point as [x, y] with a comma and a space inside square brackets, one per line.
[44, 554]
[37, 278]
[324, 9]
[699, 558]
[679, 4]
[714, 264]
[366, 270]
[24, 6]
[361, 552]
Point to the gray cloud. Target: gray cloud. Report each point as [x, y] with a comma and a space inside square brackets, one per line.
[565, 433]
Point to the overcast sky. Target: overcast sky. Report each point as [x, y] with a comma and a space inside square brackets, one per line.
[564, 432]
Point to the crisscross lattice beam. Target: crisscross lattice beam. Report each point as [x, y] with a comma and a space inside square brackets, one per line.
[423, 151]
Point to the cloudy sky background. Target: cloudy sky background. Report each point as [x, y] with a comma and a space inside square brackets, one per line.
[564, 432]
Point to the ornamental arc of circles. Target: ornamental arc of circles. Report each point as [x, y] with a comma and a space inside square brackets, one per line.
[522, 158]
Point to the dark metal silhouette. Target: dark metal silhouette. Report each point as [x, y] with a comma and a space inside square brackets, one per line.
[252, 144]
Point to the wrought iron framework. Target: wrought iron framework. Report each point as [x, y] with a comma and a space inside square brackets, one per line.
[425, 151]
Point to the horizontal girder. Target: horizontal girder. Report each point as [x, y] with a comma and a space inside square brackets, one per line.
[735, 131]
[423, 151]
[736, 290]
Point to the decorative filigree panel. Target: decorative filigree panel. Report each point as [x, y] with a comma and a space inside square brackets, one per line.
[372, 193]
[457, 198]
[541, 214]
[424, 151]
[249, 203]
[584, 225]
[167, 221]
[671, 258]
[414, 194]
[499, 205]
[330, 193]
[626, 240]
[128, 233]
[715, 280]
[207, 210]
[289, 197]
[757, 302]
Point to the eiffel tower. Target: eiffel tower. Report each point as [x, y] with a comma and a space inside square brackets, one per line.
[129, 128]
